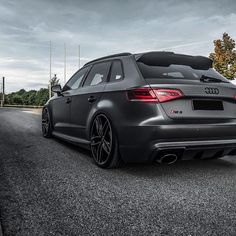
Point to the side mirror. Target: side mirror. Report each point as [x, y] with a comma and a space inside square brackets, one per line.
[57, 89]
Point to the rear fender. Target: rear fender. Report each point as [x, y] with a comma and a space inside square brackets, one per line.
[103, 107]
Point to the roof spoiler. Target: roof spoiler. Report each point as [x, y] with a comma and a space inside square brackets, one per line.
[166, 59]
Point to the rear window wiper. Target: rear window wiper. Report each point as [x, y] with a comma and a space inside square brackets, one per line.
[208, 79]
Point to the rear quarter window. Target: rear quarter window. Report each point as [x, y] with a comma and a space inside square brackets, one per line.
[116, 72]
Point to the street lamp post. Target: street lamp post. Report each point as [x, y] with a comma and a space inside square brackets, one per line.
[50, 70]
[79, 56]
[64, 63]
[3, 92]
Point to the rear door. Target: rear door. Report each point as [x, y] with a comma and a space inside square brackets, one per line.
[85, 99]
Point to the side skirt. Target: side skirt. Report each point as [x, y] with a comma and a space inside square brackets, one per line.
[76, 141]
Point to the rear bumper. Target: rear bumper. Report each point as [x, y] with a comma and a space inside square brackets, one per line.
[185, 150]
[144, 143]
[189, 144]
[197, 149]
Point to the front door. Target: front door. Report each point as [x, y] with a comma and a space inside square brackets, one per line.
[61, 112]
[62, 104]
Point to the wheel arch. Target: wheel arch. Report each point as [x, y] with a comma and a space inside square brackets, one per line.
[115, 112]
[93, 115]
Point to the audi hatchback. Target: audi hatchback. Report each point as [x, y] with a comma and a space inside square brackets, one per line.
[155, 106]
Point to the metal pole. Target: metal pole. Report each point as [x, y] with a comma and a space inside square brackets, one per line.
[79, 56]
[3, 91]
[50, 69]
[64, 63]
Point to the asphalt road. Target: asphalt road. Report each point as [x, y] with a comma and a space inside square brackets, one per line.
[48, 187]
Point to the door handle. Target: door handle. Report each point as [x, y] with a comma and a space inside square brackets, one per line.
[91, 99]
[68, 100]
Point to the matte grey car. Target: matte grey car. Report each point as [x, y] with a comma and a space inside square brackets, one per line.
[154, 106]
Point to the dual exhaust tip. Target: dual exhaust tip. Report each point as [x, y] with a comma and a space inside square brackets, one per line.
[167, 158]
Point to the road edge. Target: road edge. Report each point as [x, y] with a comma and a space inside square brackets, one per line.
[1, 233]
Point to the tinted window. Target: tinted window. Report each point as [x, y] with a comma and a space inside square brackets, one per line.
[116, 71]
[98, 74]
[75, 81]
[176, 72]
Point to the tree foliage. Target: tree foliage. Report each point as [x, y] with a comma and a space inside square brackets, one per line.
[32, 97]
[54, 80]
[224, 56]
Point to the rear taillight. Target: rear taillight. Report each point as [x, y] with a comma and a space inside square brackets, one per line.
[164, 95]
[154, 95]
[142, 94]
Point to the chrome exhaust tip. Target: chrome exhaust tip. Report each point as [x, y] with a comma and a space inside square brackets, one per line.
[168, 159]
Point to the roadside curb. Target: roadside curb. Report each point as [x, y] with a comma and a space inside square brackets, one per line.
[22, 106]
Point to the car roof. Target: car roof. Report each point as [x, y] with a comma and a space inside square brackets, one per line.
[109, 57]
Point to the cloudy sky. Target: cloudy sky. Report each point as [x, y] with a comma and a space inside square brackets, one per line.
[102, 27]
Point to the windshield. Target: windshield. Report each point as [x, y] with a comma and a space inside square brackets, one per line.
[177, 72]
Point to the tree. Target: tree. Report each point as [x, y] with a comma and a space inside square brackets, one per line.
[54, 80]
[21, 92]
[17, 99]
[224, 56]
[32, 97]
[41, 97]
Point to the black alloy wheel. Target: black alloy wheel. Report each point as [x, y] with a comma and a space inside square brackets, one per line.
[104, 145]
[46, 124]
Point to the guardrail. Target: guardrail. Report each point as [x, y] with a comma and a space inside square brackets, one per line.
[22, 106]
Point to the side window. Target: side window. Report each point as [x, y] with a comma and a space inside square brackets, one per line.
[75, 81]
[116, 72]
[98, 74]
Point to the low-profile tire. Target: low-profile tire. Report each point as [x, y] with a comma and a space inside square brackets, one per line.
[104, 143]
[46, 123]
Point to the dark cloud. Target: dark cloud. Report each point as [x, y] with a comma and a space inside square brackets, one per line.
[102, 27]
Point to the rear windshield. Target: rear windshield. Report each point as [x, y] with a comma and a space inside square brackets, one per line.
[176, 72]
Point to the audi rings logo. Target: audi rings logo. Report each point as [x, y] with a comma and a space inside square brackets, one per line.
[212, 90]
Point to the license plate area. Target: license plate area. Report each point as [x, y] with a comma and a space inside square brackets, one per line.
[208, 105]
